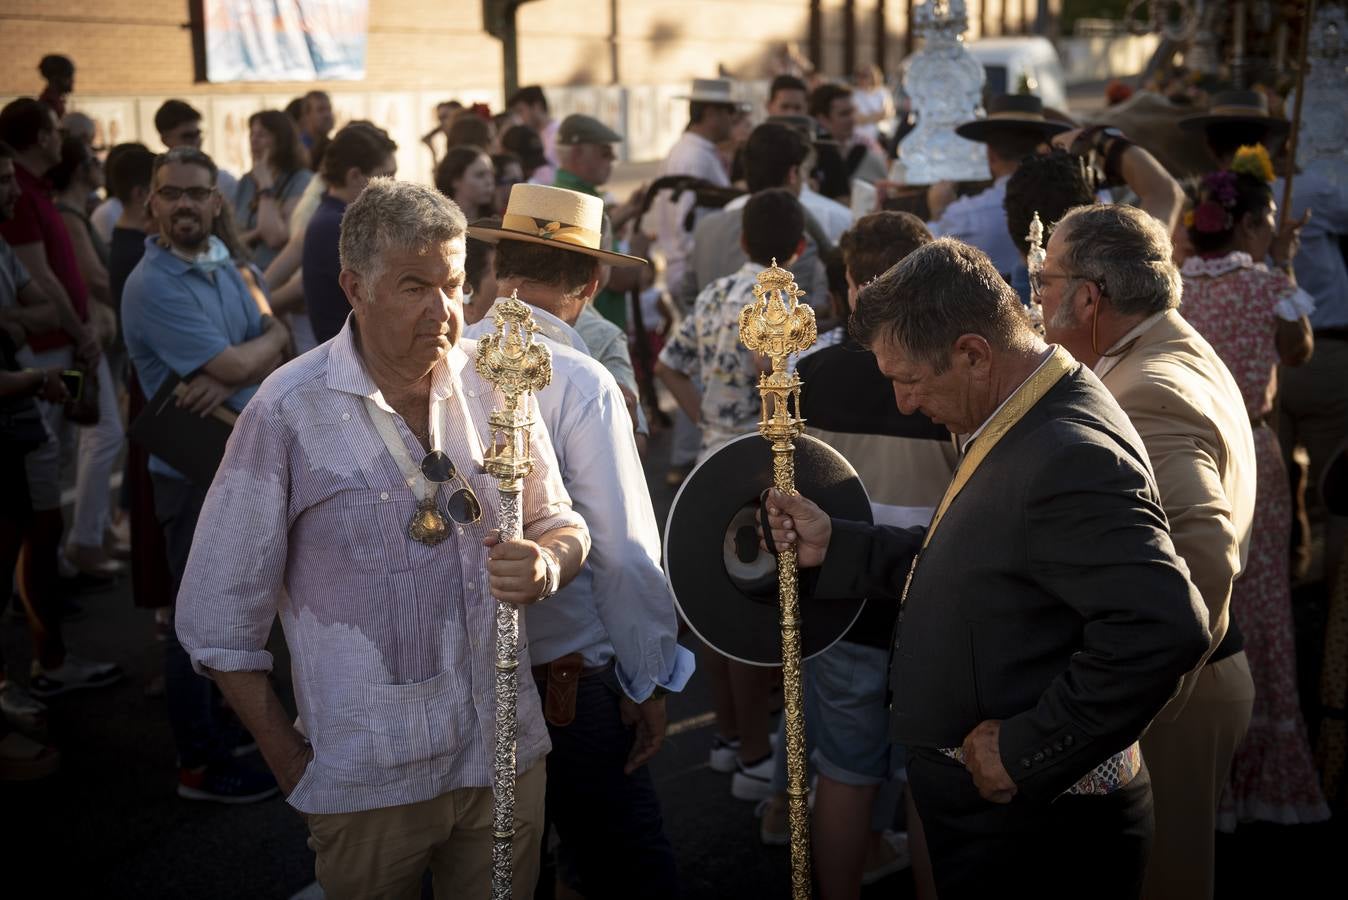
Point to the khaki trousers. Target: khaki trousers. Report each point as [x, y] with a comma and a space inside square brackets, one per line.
[383, 853]
[1189, 760]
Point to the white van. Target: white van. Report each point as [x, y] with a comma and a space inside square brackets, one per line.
[1013, 62]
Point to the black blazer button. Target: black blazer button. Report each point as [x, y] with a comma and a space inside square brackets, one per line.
[1068, 741]
[1039, 757]
[1025, 762]
[1057, 747]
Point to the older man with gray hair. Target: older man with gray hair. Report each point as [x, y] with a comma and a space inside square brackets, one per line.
[1110, 296]
[318, 514]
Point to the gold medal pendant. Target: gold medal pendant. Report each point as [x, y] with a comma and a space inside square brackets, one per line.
[428, 525]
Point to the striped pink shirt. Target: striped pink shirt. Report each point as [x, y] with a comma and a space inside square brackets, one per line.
[392, 641]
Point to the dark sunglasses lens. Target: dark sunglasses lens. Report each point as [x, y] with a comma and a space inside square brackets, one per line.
[463, 507]
[437, 467]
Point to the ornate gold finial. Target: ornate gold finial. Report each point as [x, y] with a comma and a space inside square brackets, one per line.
[777, 325]
[517, 365]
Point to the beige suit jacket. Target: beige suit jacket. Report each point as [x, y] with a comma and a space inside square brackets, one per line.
[1188, 409]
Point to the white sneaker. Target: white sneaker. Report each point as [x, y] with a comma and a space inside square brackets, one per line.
[752, 782]
[725, 755]
[774, 828]
[21, 707]
[73, 675]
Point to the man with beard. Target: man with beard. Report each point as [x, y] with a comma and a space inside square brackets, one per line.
[187, 312]
[1111, 296]
[316, 120]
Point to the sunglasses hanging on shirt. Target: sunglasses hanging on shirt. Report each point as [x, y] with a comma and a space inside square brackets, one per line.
[463, 505]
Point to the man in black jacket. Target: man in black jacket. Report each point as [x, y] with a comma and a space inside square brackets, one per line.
[1045, 616]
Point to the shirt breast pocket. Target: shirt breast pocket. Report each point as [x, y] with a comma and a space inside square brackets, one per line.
[374, 524]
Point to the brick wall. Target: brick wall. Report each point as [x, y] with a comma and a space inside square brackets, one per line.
[131, 55]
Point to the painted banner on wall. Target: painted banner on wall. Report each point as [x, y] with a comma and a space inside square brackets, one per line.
[285, 40]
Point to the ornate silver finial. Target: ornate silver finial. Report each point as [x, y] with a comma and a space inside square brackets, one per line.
[945, 86]
[1322, 146]
[1034, 263]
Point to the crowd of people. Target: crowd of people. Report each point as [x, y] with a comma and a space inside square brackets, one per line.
[1131, 390]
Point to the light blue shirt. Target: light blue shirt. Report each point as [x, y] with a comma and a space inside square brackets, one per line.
[619, 607]
[1319, 265]
[175, 319]
[980, 221]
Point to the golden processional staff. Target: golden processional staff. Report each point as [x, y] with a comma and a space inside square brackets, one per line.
[776, 324]
[517, 365]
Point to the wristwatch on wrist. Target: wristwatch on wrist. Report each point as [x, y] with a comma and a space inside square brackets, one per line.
[552, 573]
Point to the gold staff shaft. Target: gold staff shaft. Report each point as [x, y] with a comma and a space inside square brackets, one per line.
[777, 325]
[517, 365]
[793, 687]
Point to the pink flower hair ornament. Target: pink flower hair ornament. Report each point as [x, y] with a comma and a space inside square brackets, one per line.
[1211, 217]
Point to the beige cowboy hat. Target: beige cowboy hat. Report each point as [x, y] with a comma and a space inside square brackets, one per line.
[1010, 113]
[553, 217]
[714, 90]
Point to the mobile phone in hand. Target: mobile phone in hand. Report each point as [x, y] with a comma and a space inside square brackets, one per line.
[73, 379]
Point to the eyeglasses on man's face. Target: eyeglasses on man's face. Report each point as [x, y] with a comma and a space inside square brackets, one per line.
[171, 194]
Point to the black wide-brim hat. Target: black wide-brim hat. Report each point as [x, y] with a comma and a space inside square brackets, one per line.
[724, 584]
[1012, 114]
[1238, 108]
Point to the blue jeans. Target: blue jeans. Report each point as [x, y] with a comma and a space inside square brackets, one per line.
[610, 824]
[194, 714]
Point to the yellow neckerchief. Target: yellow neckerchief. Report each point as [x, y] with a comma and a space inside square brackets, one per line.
[1058, 364]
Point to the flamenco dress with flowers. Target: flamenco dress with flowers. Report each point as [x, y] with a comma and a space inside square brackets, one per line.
[1235, 303]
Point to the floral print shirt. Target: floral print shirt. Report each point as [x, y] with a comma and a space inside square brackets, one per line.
[706, 347]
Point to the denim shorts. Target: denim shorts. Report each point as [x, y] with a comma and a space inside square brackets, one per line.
[848, 685]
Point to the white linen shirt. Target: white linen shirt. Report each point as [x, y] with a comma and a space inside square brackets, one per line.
[692, 155]
[831, 215]
[619, 607]
[392, 641]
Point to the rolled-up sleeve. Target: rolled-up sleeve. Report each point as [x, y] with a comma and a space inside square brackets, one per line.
[236, 569]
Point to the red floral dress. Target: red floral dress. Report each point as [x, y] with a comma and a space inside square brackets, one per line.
[1235, 304]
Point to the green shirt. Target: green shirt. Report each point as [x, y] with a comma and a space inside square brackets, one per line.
[612, 305]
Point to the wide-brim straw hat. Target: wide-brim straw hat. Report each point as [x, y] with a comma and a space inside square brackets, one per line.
[1012, 113]
[714, 90]
[1237, 107]
[553, 217]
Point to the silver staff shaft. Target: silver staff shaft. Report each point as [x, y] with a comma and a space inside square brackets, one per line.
[507, 694]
